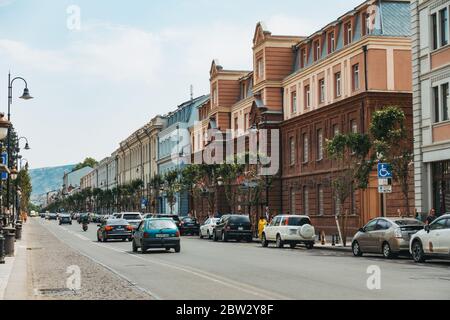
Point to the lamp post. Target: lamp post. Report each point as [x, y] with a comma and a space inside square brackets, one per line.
[25, 96]
[13, 176]
[4, 128]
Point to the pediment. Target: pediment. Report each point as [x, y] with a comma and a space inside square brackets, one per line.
[261, 34]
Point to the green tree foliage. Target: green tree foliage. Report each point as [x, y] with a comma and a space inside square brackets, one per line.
[88, 162]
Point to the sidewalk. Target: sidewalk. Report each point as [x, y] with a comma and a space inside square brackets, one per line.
[328, 245]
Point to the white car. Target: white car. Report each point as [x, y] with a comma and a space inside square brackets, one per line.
[207, 228]
[289, 229]
[433, 241]
[133, 218]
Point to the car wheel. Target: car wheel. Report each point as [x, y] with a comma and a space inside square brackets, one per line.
[280, 243]
[387, 252]
[177, 248]
[310, 245]
[104, 238]
[356, 249]
[224, 236]
[215, 237]
[417, 252]
[201, 235]
[293, 245]
[143, 250]
[250, 239]
[264, 241]
[124, 239]
[134, 247]
[167, 249]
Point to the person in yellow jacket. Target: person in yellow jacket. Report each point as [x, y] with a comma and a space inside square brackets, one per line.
[261, 225]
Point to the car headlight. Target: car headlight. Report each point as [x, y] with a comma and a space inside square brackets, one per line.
[398, 233]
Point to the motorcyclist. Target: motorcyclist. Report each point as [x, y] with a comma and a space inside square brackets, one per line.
[84, 219]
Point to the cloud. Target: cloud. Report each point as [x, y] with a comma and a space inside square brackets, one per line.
[4, 3]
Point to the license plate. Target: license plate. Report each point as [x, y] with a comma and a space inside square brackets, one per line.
[162, 235]
[120, 229]
[241, 228]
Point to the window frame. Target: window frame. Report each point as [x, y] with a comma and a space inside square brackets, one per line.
[322, 92]
[292, 151]
[356, 79]
[319, 144]
[294, 101]
[338, 80]
[305, 143]
[307, 96]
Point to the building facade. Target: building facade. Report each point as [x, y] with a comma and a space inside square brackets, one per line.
[431, 79]
[174, 145]
[73, 180]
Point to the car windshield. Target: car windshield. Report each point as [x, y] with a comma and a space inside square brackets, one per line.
[161, 224]
[239, 219]
[189, 220]
[117, 222]
[132, 216]
[408, 222]
[298, 221]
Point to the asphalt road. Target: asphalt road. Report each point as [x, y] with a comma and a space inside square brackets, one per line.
[214, 270]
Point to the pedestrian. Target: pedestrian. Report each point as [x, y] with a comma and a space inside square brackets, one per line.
[261, 225]
[431, 217]
[399, 213]
[417, 215]
[267, 213]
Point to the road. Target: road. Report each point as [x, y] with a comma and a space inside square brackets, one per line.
[214, 270]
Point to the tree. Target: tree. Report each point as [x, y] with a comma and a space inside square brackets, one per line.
[156, 184]
[172, 186]
[392, 145]
[88, 162]
[349, 153]
[24, 183]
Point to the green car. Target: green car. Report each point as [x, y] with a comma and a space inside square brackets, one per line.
[156, 233]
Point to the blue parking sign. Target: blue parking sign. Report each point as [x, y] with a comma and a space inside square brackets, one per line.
[384, 171]
[4, 159]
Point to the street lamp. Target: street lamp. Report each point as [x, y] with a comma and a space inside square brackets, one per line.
[25, 96]
[27, 146]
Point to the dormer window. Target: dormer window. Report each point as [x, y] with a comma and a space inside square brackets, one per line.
[244, 91]
[303, 58]
[317, 54]
[215, 96]
[331, 42]
[348, 33]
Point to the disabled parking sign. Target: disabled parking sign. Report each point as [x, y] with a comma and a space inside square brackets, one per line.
[384, 171]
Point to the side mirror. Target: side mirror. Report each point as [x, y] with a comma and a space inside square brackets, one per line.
[427, 228]
[362, 230]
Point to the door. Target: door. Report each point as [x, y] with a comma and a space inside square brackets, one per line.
[273, 229]
[364, 238]
[204, 227]
[139, 233]
[378, 236]
[430, 240]
[444, 241]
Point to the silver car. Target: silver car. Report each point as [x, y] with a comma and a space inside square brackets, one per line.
[387, 236]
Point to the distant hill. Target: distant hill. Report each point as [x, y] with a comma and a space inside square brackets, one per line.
[44, 180]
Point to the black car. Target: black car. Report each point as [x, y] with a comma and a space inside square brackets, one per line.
[174, 217]
[233, 226]
[114, 229]
[189, 226]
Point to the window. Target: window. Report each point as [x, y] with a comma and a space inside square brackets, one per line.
[335, 129]
[331, 42]
[319, 145]
[322, 90]
[292, 150]
[371, 226]
[443, 20]
[445, 98]
[317, 54]
[305, 148]
[293, 201]
[307, 97]
[383, 225]
[436, 104]
[244, 91]
[320, 200]
[337, 84]
[435, 32]
[236, 124]
[215, 96]
[260, 68]
[354, 126]
[246, 121]
[355, 79]
[367, 25]
[303, 57]
[348, 33]
[439, 224]
[337, 206]
[305, 201]
[294, 102]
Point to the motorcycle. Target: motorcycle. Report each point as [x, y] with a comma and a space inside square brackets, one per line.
[85, 227]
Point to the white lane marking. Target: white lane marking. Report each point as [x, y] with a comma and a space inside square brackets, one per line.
[150, 293]
[202, 274]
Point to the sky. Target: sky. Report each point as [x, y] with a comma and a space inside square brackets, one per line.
[100, 69]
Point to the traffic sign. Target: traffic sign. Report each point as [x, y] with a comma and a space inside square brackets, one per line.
[384, 171]
[384, 189]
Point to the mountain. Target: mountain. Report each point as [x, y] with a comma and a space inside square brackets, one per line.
[44, 180]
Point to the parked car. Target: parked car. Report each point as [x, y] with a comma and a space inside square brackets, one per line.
[433, 242]
[174, 217]
[65, 219]
[52, 216]
[133, 218]
[207, 228]
[106, 217]
[387, 236]
[189, 226]
[291, 230]
[233, 226]
[114, 229]
[156, 233]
